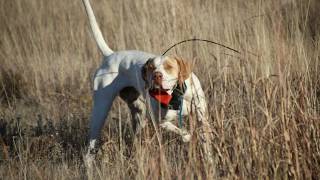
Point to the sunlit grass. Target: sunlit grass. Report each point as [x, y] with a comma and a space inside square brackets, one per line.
[263, 103]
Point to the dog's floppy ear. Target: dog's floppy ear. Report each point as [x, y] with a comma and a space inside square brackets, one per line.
[185, 69]
[147, 68]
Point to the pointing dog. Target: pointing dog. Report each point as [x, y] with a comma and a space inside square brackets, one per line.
[136, 76]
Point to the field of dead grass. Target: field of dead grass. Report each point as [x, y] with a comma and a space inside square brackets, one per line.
[264, 103]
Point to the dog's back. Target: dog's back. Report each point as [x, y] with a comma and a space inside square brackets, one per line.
[124, 64]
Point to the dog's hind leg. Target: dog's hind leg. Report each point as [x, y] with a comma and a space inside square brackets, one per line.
[103, 99]
[137, 107]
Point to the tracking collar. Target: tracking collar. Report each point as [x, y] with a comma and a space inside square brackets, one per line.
[173, 101]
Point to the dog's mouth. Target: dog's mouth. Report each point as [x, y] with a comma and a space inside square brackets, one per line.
[158, 91]
[161, 95]
[157, 87]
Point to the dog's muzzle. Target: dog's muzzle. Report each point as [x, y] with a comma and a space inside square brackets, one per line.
[157, 91]
[157, 79]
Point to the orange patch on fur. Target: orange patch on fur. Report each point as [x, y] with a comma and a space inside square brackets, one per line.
[178, 67]
[185, 70]
[171, 66]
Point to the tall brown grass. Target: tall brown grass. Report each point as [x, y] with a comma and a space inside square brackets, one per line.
[263, 104]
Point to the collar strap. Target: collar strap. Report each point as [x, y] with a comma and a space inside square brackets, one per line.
[177, 93]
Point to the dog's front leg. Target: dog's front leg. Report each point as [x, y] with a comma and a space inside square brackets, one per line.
[186, 137]
[166, 123]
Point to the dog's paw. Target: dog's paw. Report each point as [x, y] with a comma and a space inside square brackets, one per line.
[186, 138]
[89, 160]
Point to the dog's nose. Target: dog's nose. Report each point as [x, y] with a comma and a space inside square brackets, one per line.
[157, 78]
[157, 75]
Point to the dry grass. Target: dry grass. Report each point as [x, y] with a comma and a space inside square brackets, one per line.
[264, 108]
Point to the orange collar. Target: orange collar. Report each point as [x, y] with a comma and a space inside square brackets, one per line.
[161, 96]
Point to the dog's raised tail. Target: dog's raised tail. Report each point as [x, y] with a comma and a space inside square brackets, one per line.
[97, 34]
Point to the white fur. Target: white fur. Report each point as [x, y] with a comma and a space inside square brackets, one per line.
[169, 80]
[104, 48]
[123, 69]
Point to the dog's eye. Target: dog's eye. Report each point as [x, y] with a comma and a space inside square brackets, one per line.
[167, 66]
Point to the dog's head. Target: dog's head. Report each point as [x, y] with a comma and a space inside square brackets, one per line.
[165, 72]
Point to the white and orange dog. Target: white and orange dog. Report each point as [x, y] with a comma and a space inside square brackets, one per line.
[143, 80]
